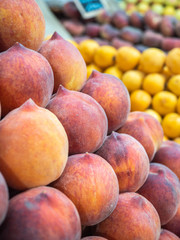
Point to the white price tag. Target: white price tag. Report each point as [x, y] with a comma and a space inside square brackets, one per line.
[90, 8]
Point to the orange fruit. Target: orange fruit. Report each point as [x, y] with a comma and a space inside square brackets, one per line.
[105, 56]
[87, 49]
[164, 102]
[171, 125]
[174, 84]
[127, 58]
[133, 79]
[140, 100]
[152, 60]
[173, 60]
[154, 83]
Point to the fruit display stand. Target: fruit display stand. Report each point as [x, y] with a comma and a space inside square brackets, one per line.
[152, 83]
[120, 29]
[80, 159]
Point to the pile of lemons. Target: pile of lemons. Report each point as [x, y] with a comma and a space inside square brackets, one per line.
[152, 79]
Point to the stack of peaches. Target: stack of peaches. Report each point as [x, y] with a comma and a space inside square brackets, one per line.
[74, 162]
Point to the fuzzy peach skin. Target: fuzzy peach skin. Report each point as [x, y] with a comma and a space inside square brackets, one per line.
[41, 213]
[133, 218]
[169, 155]
[4, 198]
[111, 93]
[21, 21]
[128, 158]
[33, 147]
[84, 120]
[24, 74]
[146, 129]
[94, 238]
[174, 223]
[162, 189]
[167, 235]
[91, 183]
[66, 61]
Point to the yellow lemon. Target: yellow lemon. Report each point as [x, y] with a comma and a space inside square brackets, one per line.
[133, 79]
[171, 125]
[92, 67]
[140, 100]
[174, 84]
[152, 60]
[127, 58]
[178, 105]
[115, 71]
[154, 114]
[173, 60]
[105, 56]
[87, 49]
[154, 83]
[177, 140]
[164, 102]
[74, 43]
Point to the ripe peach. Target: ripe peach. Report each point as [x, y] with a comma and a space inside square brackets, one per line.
[41, 213]
[162, 189]
[66, 61]
[169, 155]
[133, 218]
[84, 120]
[24, 74]
[94, 238]
[167, 235]
[174, 223]
[144, 128]
[128, 158]
[4, 198]
[21, 21]
[111, 93]
[33, 147]
[91, 183]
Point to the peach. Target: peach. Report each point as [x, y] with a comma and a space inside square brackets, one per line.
[146, 129]
[33, 147]
[66, 61]
[174, 223]
[169, 155]
[21, 21]
[83, 118]
[41, 213]
[128, 158]
[91, 184]
[167, 235]
[4, 198]
[24, 74]
[94, 238]
[112, 95]
[133, 218]
[162, 189]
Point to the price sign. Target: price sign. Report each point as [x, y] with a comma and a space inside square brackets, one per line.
[90, 8]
